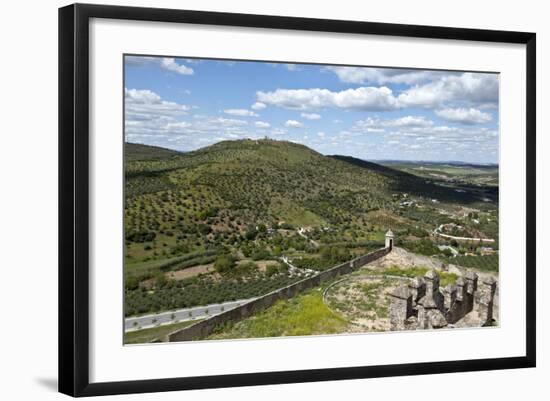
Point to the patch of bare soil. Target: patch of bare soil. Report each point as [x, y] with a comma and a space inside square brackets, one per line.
[402, 258]
[190, 272]
[262, 264]
[363, 301]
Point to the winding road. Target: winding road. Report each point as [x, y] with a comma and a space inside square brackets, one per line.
[180, 315]
[438, 232]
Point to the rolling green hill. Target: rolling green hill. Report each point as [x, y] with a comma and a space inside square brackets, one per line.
[137, 151]
[236, 206]
[221, 190]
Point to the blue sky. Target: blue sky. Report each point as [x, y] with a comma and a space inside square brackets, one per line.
[365, 112]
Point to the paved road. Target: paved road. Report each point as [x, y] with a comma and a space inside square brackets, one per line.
[437, 231]
[180, 315]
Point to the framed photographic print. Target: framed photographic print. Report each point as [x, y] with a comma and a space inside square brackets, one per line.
[250, 199]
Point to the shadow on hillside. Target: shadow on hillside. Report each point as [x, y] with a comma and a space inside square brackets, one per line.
[404, 182]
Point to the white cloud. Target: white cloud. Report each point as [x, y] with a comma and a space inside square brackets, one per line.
[151, 119]
[258, 106]
[143, 104]
[187, 135]
[293, 124]
[468, 88]
[167, 125]
[381, 76]
[311, 116]
[451, 90]
[371, 124]
[410, 121]
[240, 112]
[418, 133]
[464, 116]
[177, 126]
[228, 122]
[321, 134]
[362, 98]
[262, 124]
[171, 65]
[288, 66]
[143, 96]
[167, 63]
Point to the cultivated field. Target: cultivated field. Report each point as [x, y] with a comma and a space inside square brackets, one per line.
[238, 219]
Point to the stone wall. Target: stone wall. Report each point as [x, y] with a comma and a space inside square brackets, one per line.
[422, 304]
[205, 327]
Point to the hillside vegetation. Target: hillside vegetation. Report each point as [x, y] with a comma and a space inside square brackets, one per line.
[237, 205]
[136, 151]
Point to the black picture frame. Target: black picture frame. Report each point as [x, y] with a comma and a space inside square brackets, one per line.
[74, 198]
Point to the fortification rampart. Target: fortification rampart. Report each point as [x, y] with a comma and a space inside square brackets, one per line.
[422, 304]
[206, 327]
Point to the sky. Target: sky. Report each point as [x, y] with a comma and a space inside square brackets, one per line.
[365, 112]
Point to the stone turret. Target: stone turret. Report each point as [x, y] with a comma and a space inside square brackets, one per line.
[390, 239]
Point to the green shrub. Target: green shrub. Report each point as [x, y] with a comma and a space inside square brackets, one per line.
[260, 253]
[141, 236]
[224, 263]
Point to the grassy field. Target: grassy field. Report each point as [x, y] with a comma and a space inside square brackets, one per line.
[303, 315]
[139, 271]
[350, 302]
[148, 335]
[483, 263]
[445, 278]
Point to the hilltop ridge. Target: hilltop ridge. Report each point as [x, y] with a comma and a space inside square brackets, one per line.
[240, 205]
[138, 151]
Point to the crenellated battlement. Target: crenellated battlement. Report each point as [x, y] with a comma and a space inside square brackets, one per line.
[422, 304]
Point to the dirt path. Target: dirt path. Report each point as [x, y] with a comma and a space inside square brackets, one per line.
[401, 257]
